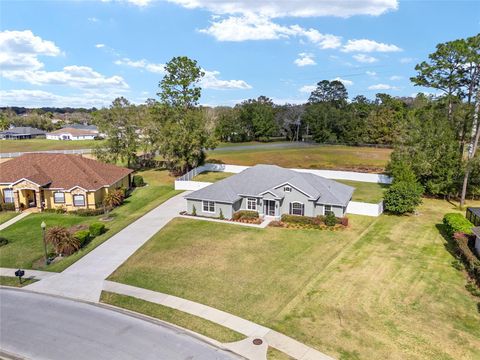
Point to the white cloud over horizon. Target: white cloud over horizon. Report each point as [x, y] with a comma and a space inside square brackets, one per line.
[382, 87]
[367, 46]
[343, 81]
[305, 59]
[363, 58]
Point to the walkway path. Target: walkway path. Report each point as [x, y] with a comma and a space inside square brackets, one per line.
[13, 220]
[248, 328]
[84, 279]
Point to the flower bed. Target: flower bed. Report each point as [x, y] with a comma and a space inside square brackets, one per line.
[308, 222]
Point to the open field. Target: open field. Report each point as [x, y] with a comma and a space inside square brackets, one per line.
[366, 192]
[383, 288]
[44, 144]
[25, 245]
[7, 215]
[314, 157]
[212, 176]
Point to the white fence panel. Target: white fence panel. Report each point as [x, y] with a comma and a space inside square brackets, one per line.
[362, 208]
[349, 175]
[190, 185]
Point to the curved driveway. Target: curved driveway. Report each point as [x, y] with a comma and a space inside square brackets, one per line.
[39, 327]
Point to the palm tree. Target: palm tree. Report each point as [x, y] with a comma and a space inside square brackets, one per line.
[62, 240]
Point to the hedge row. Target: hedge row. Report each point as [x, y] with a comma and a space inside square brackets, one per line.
[465, 253]
[455, 222]
[84, 236]
[329, 220]
[245, 214]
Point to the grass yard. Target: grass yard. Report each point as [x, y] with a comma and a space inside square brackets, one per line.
[7, 215]
[212, 176]
[315, 157]
[25, 245]
[383, 288]
[173, 316]
[13, 281]
[366, 192]
[44, 144]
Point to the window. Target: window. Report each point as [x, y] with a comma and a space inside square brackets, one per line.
[297, 208]
[328, 209]
[287, 189]
[251, 204]
[59, 198]
[209, 206]
[78, 200]
[8, 196]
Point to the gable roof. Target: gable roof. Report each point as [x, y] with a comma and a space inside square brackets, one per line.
[262, 178]
[61, 171]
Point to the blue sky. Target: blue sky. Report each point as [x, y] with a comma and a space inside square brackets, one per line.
[86, 53]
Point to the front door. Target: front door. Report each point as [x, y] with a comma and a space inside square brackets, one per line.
[269, 207]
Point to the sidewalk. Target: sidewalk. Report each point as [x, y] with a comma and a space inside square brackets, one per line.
[84, 279]
[13, 220]
[33, 274]
[248, 328]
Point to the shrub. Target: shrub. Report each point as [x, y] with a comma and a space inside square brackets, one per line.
[330, 219]
[88, 212]
[455, 222]
[62, 240]
[472, 289]
[83, 236]
[403, 197]
[303, 220]
[8, 206]
[245, 214]
[194, 211]
[3, 241]
[463, 251]
[97, 229]
[61, 210]
[344, 221]
[221, 217]
[114, 198]
[137, 181]
[457, 264]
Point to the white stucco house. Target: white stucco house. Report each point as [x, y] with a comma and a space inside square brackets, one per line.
[70, 133]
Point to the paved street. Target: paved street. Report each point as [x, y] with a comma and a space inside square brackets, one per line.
[40, 327]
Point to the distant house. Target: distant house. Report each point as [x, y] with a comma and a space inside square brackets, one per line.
[71, 133]
[473, 214]
[271, 191]
[21, 132]
[476, 231]
[49, 181]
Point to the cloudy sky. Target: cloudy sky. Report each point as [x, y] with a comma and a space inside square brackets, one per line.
[86, 53]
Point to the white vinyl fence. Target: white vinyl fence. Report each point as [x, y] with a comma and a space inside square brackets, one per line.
[186, 182]
[72, 151]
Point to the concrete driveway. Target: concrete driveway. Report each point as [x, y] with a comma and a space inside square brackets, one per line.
[36, 326]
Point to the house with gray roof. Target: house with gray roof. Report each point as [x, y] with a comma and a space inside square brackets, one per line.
[271, 191]
[21, 132]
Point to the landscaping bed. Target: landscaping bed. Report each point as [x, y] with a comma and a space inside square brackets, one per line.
[329, 222]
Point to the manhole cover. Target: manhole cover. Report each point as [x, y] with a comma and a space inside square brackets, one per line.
[257, 341]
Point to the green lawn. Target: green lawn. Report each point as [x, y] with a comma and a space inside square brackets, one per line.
[44, 144]
[25, 247]
[173, 316]
[366, 192]
[13, 281]
[383, 288]
[7, 215]
[212, 176]
[315, 157]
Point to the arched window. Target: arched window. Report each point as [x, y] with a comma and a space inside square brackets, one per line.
[297, 208]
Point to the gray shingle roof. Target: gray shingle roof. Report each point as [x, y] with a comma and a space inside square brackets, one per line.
[476, 231]
[261, 178]
[24, 130]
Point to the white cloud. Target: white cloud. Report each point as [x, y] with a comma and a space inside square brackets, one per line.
[19, 50]
[39, 98]
[406, 60]
[211, 81]
[363, 58]
[99, 46]
[343, 81]
[305, 59]
[307, 88]
[371, 73]
[254, 27]
[142, 64]
[139, 3]
[73, 76]
[395, 77]
[93, 19]
[298, 8]
[382, 87]
[365, 45]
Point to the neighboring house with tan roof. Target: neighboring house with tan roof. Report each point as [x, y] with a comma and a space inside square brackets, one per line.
[49, 181]
[72, 133]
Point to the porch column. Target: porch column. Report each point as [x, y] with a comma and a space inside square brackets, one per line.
[16, 200]
[38, 199]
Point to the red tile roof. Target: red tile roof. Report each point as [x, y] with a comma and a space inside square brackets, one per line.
[61, 171]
